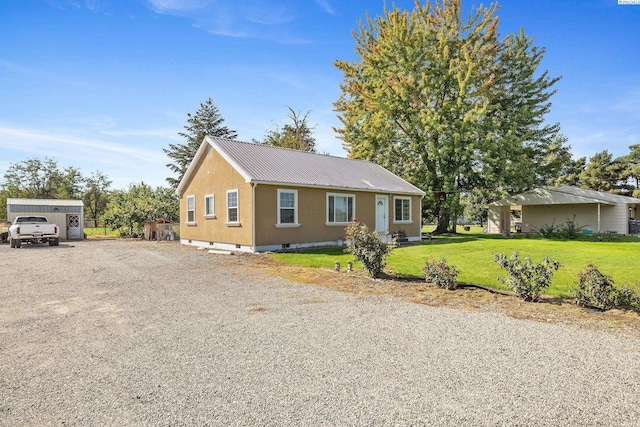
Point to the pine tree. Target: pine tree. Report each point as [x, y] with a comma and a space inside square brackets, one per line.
[206, 121]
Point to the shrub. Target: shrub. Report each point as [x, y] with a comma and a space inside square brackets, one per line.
[570, 229]
[440, 273]
[547, 231]
[528, 281]
[367, 247]
[597, 290]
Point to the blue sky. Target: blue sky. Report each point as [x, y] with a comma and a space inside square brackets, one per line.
[107, 84]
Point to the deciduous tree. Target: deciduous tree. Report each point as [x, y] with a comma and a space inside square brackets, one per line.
[297, 134]
[443, 102]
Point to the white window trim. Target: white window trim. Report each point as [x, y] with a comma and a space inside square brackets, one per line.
[233, 223]
[400, 221]
[295, 209]
[212, 215]
[194, 210]
[340, 224]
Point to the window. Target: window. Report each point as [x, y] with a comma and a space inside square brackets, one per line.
[287, 207]
[341, 208]
[209, 207]
[402, 209]
[191, 209]
[232, 206]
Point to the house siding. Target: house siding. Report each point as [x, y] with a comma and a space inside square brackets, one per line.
[215, 176]
[612, 218]
[312, 211]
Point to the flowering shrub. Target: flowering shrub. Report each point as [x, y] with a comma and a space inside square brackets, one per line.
[528, 281]
[597, 290]
[440, 273]
[594, 289]
[367, 247]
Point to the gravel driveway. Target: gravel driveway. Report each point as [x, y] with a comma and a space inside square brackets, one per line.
[145, 333]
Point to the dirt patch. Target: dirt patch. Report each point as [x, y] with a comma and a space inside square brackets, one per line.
[550, 309]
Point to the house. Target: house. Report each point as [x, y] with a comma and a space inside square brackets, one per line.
[252, 197]
[68, 215]
[598, 212]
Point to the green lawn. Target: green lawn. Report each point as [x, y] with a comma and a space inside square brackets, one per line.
[472, 253]
[99, 232]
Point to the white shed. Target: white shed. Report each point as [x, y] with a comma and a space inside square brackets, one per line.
[68, 215]
[597, 211]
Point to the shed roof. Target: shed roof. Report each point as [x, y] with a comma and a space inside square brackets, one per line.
[565, 195]
[260, 163]
[44, 202]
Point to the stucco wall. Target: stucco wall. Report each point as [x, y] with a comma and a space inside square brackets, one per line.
[215, 176]
[312, 216]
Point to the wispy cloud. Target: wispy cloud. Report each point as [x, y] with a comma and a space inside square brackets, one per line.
[124, 163]
[326, 6]
[243, 19]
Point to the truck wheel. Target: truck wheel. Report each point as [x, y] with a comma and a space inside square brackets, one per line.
[56, 242]
[18, 244]
[12, 243]
[51, 242]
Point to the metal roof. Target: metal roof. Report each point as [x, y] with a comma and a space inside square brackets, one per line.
[274, 165]
[565, 195]
[44, 202]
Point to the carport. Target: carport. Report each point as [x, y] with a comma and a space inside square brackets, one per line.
[597, 211]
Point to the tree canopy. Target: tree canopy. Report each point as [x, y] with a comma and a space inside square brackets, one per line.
[445, 103]
[297, 134]
[206, 121]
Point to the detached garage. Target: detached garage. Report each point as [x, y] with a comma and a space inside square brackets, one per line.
[68, 215]
[598, 212]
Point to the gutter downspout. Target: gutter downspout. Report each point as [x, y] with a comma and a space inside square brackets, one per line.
[253, 216]
[598, 218]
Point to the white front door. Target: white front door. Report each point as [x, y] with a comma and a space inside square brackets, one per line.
[382, 214]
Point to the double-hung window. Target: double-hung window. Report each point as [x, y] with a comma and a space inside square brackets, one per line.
[191, 209]
[232, 207]
[209, 206]
[287, 207]
[341, 208]
[402, 209]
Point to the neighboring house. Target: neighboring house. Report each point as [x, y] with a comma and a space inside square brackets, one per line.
[598, 212]
[253, 197]
[68, 215]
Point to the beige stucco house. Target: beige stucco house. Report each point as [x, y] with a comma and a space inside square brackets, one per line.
[252, 197]
[598, 212]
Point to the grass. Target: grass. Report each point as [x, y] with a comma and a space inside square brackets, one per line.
[472, 253]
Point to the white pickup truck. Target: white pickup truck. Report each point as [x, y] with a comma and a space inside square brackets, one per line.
[33, 229]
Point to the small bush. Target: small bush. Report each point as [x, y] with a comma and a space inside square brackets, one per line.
[597, 290]
[570, 229]
[440, 273]
[528, 281]
[367, 247]
[547, 231]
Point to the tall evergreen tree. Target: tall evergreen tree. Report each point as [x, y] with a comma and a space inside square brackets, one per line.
[631, 169]
[446, 104]
[296, 135]
[206, 121]
[602, 173]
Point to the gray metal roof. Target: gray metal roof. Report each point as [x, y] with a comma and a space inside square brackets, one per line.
[273, 165]
[44, 202]
[564, 195]
[608, 197]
